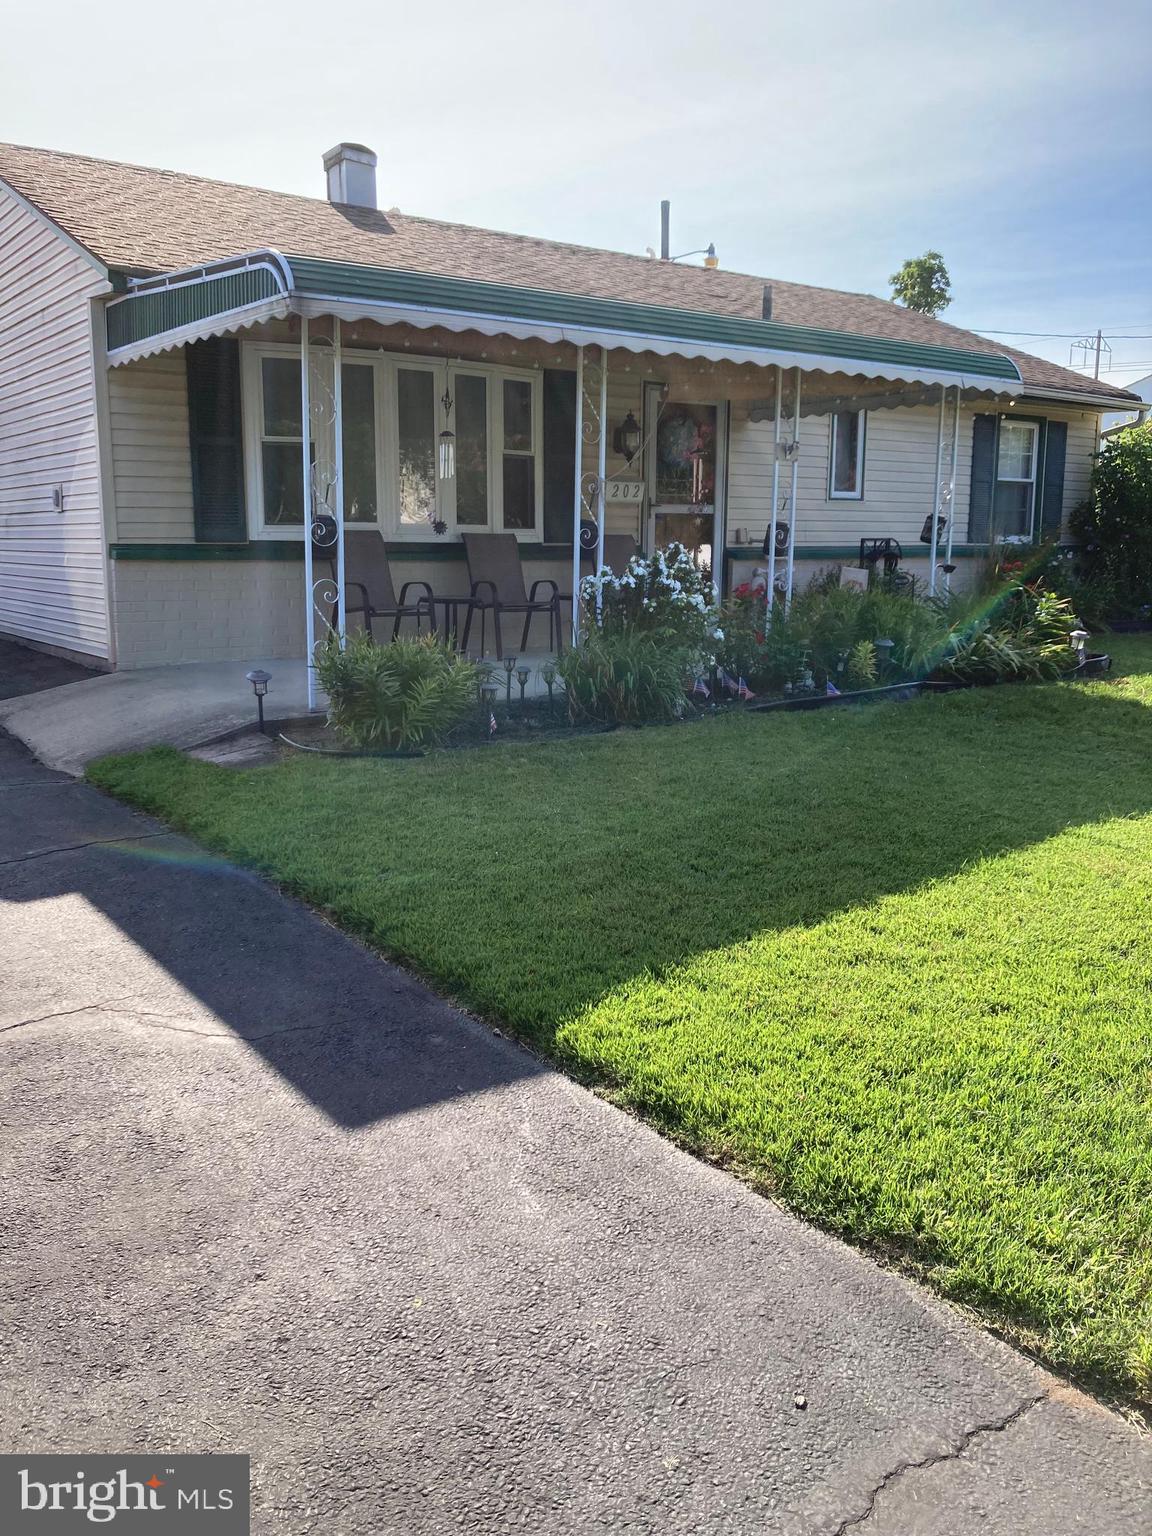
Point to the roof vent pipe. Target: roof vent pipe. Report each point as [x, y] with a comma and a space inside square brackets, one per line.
[665, 248]
[766, 303]
[351, 171]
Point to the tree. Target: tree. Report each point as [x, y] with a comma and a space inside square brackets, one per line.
[1114, 526]
[923, 283]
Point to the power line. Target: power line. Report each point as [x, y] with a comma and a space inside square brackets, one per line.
[988, 330]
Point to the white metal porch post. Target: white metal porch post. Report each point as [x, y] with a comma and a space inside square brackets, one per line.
[792, 495]
[934, 540]
[577, 499]
[601, 472]
[338, 476]
[770, 595]
[306, 486]
[952, 490]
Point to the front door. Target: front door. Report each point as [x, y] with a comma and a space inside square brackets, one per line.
[685, 475]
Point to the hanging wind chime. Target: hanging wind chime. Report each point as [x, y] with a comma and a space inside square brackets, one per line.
[447, 437]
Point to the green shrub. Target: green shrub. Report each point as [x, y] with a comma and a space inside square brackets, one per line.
[396, 697]
[1011, 630]
[860, 670]
[624, 677]
[1024, 637]
[825, 627]
[1114, 526]
[665, 595]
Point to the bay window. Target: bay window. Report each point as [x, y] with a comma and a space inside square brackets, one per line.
[395, 410]
[281, 440]
[361, 490]
[416, 430]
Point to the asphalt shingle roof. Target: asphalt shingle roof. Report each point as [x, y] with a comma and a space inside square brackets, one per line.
[140, 220]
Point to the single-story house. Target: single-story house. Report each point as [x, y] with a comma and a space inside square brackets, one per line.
[163, 338]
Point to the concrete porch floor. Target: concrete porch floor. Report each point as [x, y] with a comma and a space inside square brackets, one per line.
[183, 706]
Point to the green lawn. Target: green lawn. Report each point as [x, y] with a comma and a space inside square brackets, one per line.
[893, 965]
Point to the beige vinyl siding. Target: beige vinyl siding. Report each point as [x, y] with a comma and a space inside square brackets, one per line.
[625, 393]
[899, 477]
[53, 565]
[899, 474]
[1083, 440]
[151, 457]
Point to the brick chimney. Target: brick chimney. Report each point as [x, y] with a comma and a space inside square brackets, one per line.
[351, 171]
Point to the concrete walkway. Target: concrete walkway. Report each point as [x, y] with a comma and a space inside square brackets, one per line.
[265, 1193]
[181, 706]
[152, 706]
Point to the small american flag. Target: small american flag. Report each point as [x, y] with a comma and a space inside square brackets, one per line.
[743, 690]
[491, 723]
[831, 690]
[727, 681]
[700, 686]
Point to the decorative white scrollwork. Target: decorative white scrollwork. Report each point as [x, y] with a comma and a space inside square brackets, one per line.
[591, 426]
[589, 493]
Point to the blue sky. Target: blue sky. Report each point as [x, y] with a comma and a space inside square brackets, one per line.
[821, 142]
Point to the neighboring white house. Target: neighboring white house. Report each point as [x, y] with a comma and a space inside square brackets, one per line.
[157, 332]
[1113, 419]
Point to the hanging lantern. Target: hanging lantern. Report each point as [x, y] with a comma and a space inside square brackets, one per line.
[447, 439]
[626, 439]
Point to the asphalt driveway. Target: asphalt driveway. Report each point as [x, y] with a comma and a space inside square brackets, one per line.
[265, 1193]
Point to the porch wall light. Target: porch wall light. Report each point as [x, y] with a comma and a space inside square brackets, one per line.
[626, 438]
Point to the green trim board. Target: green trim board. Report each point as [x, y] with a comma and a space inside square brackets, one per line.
[287, 549]
[752, 554]
[293, 550]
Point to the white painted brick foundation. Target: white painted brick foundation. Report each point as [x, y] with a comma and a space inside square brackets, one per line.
[171, 611]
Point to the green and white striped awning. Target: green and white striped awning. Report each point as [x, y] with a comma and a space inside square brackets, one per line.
[163, 312]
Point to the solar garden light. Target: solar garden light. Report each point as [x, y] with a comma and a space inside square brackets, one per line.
[548, 676]
[509, 668]
[1078, 640]
[884, 650]
[522, 676]
[259, 680]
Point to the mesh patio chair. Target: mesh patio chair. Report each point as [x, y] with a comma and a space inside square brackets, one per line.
[497, 587]
[368, 586]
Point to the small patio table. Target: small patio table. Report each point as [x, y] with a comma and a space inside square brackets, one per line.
[451, 625]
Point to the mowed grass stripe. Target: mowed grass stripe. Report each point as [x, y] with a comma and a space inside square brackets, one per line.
[892, 964]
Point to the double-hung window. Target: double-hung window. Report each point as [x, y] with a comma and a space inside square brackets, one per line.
[397, 473]
[1015, 504]
[846, 456]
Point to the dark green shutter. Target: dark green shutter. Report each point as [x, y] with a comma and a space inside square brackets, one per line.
[1052, 485]
[559, 454]
[983, 483]
[216, 435]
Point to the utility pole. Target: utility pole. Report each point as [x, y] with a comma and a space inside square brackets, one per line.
[1093, 348]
